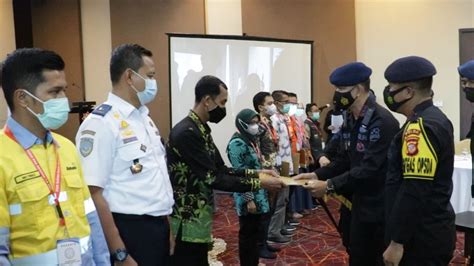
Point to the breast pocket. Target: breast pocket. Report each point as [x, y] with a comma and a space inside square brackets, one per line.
[35, 210]
[133, 156]
[75, 195]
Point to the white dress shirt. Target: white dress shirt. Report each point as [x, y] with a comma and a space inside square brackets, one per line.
[121, 151]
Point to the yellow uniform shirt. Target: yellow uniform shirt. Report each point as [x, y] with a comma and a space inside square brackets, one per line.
[25, 208]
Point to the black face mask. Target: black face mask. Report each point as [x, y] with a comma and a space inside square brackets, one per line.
[388, 97]
[469, 91]
[343, 100]
[217, 114]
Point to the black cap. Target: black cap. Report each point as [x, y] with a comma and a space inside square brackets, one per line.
[467, 70]
[409, 68]
[350, 74]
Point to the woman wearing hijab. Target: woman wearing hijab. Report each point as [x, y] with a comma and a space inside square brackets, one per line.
[244, 153]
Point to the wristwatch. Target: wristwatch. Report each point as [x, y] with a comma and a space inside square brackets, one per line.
[329, 187]
[120, 255]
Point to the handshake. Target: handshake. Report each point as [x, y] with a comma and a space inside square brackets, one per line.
[270, 180]
[318, 188]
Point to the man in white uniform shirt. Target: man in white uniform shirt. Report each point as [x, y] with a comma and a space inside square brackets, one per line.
[124, 163]
[278, 232]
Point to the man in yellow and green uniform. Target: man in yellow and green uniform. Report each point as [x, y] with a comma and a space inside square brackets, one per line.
[47, 216]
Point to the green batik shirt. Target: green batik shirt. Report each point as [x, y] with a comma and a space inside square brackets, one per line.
[196, 168]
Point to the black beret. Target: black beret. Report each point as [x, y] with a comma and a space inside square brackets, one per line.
[350, 74]
[467, 70]
[409, 68]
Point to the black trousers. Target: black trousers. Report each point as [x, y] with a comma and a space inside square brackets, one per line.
[366, 243]
[146, 238]
[439, 260]
[189, 254]
[248, 239]
[345, 226]
[263, 226]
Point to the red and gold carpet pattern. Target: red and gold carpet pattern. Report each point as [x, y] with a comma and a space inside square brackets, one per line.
[316, 241]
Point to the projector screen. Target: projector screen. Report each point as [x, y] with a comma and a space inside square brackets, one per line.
[246, 65]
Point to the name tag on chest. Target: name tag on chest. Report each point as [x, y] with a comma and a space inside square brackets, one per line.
[69, 252]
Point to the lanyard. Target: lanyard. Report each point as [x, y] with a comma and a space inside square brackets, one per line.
[57, 188]
[314, 125]
[272, 132]
[257, 150]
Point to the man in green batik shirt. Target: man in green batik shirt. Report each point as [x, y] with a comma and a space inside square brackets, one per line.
[196, 168]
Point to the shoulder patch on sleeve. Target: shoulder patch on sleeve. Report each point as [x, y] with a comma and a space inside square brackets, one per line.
[102, 110]
[419, 158]
[86, 146]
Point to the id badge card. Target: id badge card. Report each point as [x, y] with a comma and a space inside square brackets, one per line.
[69, 252]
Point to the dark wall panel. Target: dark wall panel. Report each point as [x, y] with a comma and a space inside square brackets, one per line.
[329, 23]
[56, 25]
[145, 22]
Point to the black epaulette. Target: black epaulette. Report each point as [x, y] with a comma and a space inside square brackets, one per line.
[102, 110]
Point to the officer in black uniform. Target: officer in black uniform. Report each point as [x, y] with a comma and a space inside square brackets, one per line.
[420, 218]
[466, 71]
[360, 166]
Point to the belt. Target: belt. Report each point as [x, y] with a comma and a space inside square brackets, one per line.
[136, 217]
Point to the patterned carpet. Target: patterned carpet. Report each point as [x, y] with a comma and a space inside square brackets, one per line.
[316, 241]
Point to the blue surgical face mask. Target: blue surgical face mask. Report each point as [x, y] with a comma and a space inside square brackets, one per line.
[293, 108]
[315, 116]
[299, 112]
[150, 91]
[286, 108]
[55, 111]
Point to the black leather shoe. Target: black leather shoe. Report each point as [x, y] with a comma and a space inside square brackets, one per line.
[273, 249]
[289, 227]
[266, 254]
[293, 221]
[285, 232]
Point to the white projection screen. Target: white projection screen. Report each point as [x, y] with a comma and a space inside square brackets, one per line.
[247, 65]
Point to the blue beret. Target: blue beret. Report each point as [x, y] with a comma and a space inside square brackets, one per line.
[409, 68]
[467, 70]
[350, 74]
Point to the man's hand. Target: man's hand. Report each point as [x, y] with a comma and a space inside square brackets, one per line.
[323, 161]
[172, 243]
[310, 159]
[393, 254]
[270, 182]
[316, 187]
[268, 172]
[251, 207]
[308, 176]
[129, 261]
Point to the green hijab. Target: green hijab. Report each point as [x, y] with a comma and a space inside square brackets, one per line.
[242, 121]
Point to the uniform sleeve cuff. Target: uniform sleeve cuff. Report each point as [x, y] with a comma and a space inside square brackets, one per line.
[255, 184]
[252, 173]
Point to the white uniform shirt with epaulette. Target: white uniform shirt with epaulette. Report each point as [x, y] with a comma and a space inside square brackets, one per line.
[121, 151]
